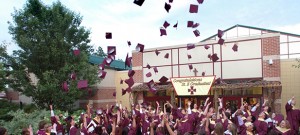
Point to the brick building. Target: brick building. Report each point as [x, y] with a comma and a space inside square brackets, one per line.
[260, 69]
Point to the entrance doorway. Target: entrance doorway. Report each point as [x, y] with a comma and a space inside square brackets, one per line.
[199, 100]
[235, 102]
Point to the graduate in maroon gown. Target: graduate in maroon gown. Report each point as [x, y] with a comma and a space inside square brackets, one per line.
[284, 128]
[42, 128]
[261, 125]
[55, 120]
[293, 114]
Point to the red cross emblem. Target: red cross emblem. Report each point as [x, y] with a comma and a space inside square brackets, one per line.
[192, 90]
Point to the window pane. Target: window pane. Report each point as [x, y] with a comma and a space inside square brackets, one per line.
[294, 47]
[293, 38]
[284, 48]
[283, 38]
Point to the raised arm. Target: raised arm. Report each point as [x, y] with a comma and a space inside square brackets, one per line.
[165, 119]
[51, 111]
[206, 101]
[88, 110]
[157, 107]
[206, 108]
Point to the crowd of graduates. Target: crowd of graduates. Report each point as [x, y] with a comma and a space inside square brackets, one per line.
[143, 119]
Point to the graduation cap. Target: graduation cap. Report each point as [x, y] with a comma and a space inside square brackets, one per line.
[221, 41]
[139, 47]
[218, 81]
[139, 2]
[166, 24]
[203, 73]
[206, 47]
[163, 80]
[193, 8]
[111, 50]
[195, 25]
[150, 84]
[129, 81]
[73, 76]
[121, 81]
[157, 52]
[214, 57]
[82, 84]
[131, 73]
[190, 66]
[108, 35]
[129, 43]
[163, 32]
[155, 69]
[123, 92]
[102, 74]
[127, 61]
[107, 61]
[235, 47]
[175, 25]
[209, 56]
[148, 74]
[200, 1]
[76, 52]
[189, 56]
[170, 1]
[167, 7]
[65, 86]
[101, 66]
[114, 94]
[190, 23]
[196, 33]
[190, 46]
[220, 33]
[148, 66]
[128, 89]
[167, 55]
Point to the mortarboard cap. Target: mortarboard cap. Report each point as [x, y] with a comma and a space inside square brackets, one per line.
[163, 32]
[65, 86]
[157, 52]
[108, 35]
[131, 73]
[166, 24]
[121, 81]
[189, 56]
[206, 47]
[148, 66]
[123, 92]
[218, 81]
[221, 41]
[193, 8]
[150, 84]
[167, 55]
[128, 89]
[190, 66]
[190, 46]
[200, 1]
[220, 33]
[114, 94]
[139, 47]
[129, 43]
[76, 52]
[155, 69]
[203, 73]
[82, 84]
[167, 7]
[139, 2]
[235, 47]
[101, 66]
[129, 81]
[196, 33]
[102, 74]
[190, 23]
[107, 61]
[214, 57]
[209, 56]
[170, 1]
[175, 25]
[127, 61]
[148, 74]
[73, 76]
[163, 80]
[111, 50]
[195, 25]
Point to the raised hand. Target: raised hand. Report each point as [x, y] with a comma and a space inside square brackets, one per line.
[50, 107]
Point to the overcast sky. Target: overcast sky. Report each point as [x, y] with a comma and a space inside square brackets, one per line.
[128, 21]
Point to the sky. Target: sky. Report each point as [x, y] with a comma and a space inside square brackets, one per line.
[130, 22]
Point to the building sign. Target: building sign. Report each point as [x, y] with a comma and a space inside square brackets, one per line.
[192, 85]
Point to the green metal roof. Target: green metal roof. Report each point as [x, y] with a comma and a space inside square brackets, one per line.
[251, 27]
[116, 64]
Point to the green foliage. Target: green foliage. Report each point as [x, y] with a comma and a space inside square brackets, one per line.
[100, 52]
[297, 66]
[47, 36]
[5, 108]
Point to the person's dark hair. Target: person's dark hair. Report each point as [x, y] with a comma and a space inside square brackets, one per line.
[42, 124]
[25, 131]
[219, 130]
[273, 132]
[201, 132]
[269, 109]
[233, 129]
[2, 130]
[188, 133]
[227, 114]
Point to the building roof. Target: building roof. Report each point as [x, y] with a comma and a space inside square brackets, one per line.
[116, 64]
[251, 27]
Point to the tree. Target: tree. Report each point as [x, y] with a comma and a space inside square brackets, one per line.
[100, 52]
[47, 36]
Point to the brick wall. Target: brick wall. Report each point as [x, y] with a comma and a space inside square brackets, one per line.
[103, 93]
[271, 47]
[137, 61]
[102, 97]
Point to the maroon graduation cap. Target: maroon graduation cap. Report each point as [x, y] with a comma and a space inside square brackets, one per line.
[150, 84]
[127, 61]
[163, 32]
[148, 66]
[131, 73]
[155, 69]
[73, 76]
[220, 33]
[129, 43]
[203, 73]
[82, 84]
[166, 24]
[200, 1]
[108, 35]
[139, 2]
[190, 46]
[102, 74]
[157, 52]
[195, 25]
[175, 25]
[196, 33]
[189, 56]
[107, 61]
[123, 92]
[214, 57]
[190, 66]
[140, 47]
[129, 81]
[221, 41]
[206, 47]
[235, 47]
[167, 7]
[190, 23]
[76, 52]
[163, 80]
[193, 8]
[170, 1]
[65, 86]
[114, 94]
[101, 66]
[128, 89]
[111, 50]
[148, 74]
[167, 55]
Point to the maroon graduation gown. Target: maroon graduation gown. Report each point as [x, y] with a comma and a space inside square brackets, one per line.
[73, 130]
[283, 131]
[261, 127]
[293, 116]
